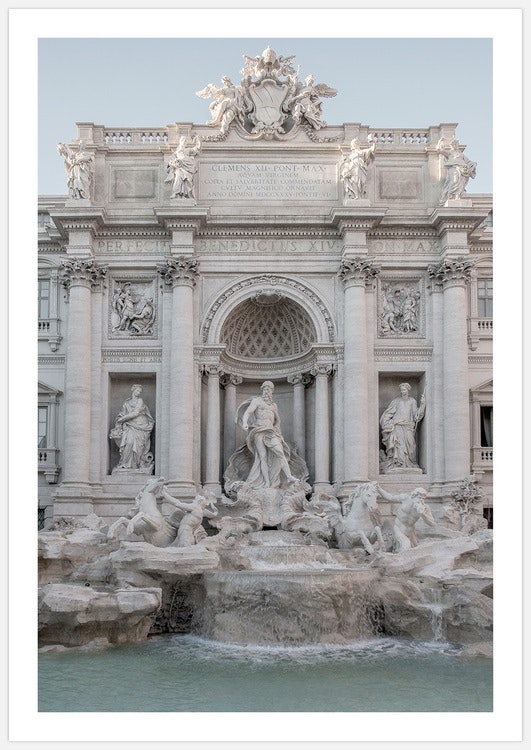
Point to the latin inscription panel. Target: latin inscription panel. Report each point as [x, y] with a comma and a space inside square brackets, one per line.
[271, 182]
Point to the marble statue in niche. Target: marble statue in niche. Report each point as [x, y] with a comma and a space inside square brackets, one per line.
[399, 424]
[399, 309]
[354, 168]
[265, 460]
[132, 434]
[79, 166]
[133, 311]
[181, 168]
[459, 169]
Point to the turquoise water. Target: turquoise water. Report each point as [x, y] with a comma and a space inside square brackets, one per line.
[188, 673]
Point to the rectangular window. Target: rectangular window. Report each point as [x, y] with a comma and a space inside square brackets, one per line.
[44, 298]
[486, 426]
[43, 427]
[485, 298]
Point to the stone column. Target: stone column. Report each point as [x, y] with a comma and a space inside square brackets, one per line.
[229, 382]
[78, 276]
[321, 372]
[180, 274]
[298, 381]
[356, 273]
[213, 434]
[454, 274]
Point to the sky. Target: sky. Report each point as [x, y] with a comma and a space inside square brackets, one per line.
[382, 83]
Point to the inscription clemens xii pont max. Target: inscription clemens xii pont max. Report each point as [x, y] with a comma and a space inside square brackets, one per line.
[250, 181]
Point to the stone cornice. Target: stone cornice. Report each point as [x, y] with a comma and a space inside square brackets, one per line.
[191, 218]
[362, 218]
[465, 219]
[78, 219]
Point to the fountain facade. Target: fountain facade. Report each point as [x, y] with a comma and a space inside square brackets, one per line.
[271, 384]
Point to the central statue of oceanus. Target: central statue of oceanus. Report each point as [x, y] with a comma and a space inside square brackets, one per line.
[266, 460]
[269, 102]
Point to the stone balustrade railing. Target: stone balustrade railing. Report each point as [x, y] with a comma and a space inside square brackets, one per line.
[400, 137]
[47, 460]
[482, 458]
[135, 137]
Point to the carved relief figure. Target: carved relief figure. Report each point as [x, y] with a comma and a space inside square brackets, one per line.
[412, 508]
[399, 307]
[459, 169]
[132, 434]
[79, 166]
[181, 168]
[271, 452]
[354, 169]
[133, 313]
[399, 425]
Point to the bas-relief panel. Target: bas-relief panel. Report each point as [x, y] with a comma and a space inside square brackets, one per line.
[128, 183]
[400, 184]
[401, 304]
[132, 308]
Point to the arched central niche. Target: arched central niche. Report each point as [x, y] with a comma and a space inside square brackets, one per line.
[268, 326]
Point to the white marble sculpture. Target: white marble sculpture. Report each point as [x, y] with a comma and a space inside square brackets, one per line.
[354, 168]
[259, 418]
[181, 168]
[188, 516]
[145, 519]
[270, 100]
[79, 166]
[132, 314]
[399, 425]
[412, 508]
[132, 434]
[302, 515]
[399, 310]
[459, 169]
[361, 522]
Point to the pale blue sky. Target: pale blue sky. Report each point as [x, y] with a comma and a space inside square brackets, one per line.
[382, 83]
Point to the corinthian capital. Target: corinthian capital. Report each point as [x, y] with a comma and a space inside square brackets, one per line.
[84, 271]
[181, 271]
[452, 269]
[361, 270]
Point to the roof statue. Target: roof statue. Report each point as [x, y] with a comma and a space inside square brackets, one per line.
[269, 102]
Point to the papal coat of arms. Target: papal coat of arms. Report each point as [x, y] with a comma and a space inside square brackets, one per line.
[269, 102]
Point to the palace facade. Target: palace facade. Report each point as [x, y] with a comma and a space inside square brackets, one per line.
[198, 261]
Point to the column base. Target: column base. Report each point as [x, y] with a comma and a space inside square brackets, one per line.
[73, 501]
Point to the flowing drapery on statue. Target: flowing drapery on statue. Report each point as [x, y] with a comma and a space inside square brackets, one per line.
[399, 424]
[132, 434]
[265, 460]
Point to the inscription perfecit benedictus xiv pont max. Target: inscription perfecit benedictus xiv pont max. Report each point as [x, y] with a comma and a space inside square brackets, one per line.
[274, 182]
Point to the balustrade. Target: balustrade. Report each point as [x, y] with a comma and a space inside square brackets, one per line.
[400, 138]
[134, 137]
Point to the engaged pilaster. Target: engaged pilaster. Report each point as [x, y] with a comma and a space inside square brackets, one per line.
[454, 275]
[180, 274]
[79, 276]
[356, 274]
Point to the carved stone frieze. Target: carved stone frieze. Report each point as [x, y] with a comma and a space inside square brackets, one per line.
[401, 308]
[132, 308]
[392, 354]
[181, 271]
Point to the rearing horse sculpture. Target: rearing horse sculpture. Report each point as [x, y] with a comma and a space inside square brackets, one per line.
[147, 520]
[360, 523]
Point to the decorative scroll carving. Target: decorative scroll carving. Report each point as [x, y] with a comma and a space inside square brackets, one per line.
[358, 269]
[179, 271]
[269, 102]
[452, 269]
[230, 378]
